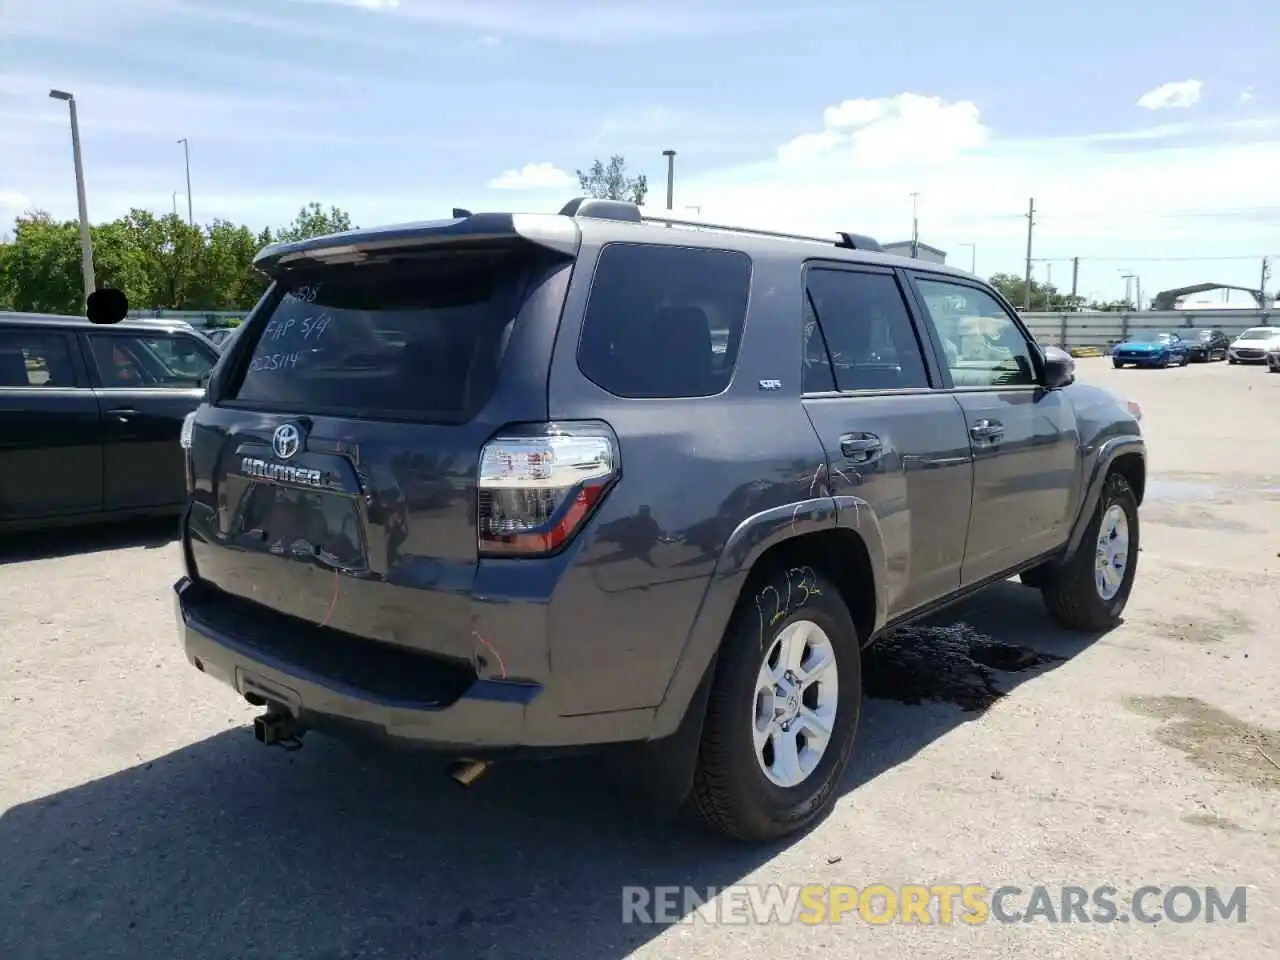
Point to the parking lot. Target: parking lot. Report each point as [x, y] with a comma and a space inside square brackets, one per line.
[142, 820]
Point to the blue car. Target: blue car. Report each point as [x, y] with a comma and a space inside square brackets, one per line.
[1154, 348]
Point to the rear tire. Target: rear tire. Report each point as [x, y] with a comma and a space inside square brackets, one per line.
[737, 789]
[1086, 594]
[1117, 364]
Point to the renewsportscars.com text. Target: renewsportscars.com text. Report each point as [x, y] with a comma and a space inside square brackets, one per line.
[940, 904]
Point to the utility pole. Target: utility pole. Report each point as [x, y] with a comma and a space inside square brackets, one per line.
[1137, 282]
[1075, 277]
[915, 226]
[175, 203]
[1262, 287]
[671, 177]
[186, 153]
[1031, 222]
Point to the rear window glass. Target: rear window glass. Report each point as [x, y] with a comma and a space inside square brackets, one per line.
[421, 338]
[664, 321]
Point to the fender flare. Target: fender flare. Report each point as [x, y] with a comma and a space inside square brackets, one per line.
[748, 542]
[1108, 451]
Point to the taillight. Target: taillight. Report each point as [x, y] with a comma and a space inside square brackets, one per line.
[539, 484]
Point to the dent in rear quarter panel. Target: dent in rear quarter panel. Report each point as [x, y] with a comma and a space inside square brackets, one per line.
[692, 471]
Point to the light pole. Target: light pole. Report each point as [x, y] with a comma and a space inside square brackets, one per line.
[973, 256]
[86, 238]
[175, 203]
[915, 226]
[671, 176]
[1128, 279]
[186, 153]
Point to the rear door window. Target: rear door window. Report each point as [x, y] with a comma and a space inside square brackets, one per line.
[36, 358]
[419, 338]
[664, 321]
[863, 322]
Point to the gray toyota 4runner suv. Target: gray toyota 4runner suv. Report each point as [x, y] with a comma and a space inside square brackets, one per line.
[511, 483]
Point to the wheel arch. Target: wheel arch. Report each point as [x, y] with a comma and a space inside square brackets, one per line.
[839, 536]
[1125, 455]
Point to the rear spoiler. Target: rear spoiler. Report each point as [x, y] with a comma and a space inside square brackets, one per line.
[550, 231]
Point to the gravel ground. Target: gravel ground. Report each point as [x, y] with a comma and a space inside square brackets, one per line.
[141, 820]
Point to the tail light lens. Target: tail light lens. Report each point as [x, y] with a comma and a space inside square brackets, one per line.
[1134, 409]
[538, 485]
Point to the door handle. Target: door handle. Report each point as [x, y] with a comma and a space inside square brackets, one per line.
[988, 430]
[860, 447]
[123, 413]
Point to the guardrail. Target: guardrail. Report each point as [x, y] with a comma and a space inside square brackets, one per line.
[197, 318]
[1098, 330]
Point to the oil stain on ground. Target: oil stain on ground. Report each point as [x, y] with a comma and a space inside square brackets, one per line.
[1212, 627]
[951, 664]
[1215, 740]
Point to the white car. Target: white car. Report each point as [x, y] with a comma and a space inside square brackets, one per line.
[1252, 345]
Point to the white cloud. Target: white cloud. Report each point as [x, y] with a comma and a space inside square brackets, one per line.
[890, 131]
[1170, 96]
[489, 40]
[533, 176]
[1245, 96]
[1159, 192]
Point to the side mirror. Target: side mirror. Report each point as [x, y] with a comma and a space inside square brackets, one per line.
[1059, 368]
[107, 306]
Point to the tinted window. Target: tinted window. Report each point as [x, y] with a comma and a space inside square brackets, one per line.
[35, 358]
[817, 376]
[664, 321]
[983, 346]
[150, 361]
[869, 338]
[421, 338]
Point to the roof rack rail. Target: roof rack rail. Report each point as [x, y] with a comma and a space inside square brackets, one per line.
[629, 212]
[851, 241]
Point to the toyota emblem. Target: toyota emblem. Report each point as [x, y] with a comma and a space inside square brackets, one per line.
[286, 440]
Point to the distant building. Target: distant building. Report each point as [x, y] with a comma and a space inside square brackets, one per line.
[902, 248]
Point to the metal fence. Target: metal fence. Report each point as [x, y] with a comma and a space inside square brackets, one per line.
[1073, 330]
[197, 318]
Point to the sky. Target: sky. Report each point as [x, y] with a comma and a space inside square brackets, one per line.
[1148, 133]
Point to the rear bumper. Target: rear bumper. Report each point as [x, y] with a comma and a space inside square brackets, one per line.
[474, 715]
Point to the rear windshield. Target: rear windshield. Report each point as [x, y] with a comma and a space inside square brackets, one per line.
[421, 339]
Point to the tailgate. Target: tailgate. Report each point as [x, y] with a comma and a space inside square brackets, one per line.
[334, 472]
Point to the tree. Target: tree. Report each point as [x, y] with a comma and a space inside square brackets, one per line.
[612, 183]
[159, 262]
[312, 221]
[1044, 296]
[41, 267]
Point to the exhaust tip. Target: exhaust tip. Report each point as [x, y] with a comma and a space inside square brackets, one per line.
[467, 772]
